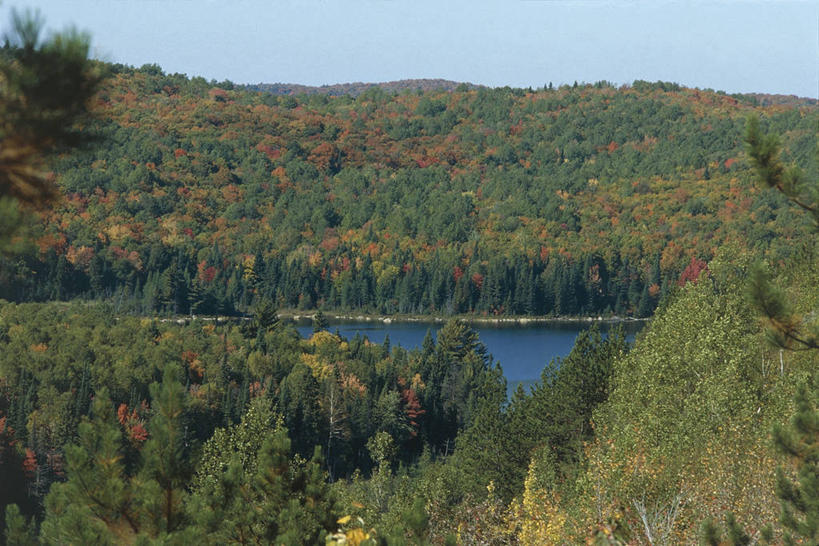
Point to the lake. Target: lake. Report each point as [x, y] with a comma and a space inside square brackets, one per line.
[522, 349]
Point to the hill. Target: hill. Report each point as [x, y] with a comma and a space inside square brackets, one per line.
[356, 88]
[584, 199]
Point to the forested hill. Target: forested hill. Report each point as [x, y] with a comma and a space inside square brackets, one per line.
[577, 200]
[355, 89]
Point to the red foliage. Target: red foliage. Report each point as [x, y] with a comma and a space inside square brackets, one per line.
[30, 463]
[122, 414]
[133, 424]
[692, 271]
[412, 408]
[137, 434]
[206, 272]
[324, 156]
[426, 161]
[457, 273]
[189, 356]
[477, 280]
[219, 95]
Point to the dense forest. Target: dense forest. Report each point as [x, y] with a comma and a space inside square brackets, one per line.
[121, 424]
[118, 428]
[205, 198]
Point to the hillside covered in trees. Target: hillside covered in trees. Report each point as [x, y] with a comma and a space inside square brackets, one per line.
[355, 89]
[120, 429]
[117, 428]
[581, 200]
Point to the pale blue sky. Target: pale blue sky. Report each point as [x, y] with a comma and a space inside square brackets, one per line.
[735, 46]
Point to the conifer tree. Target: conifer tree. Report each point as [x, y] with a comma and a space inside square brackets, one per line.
[320, 322]
[102, 501]
[249, 490]
[788, 329]
[46, 86]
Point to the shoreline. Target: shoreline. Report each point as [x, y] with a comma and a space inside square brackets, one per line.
[389, 319]
[300, 315]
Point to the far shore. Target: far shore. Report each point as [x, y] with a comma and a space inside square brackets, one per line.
[470, 319]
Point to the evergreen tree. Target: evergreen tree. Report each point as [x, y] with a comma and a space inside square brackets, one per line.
[102, 502]
[46, 89]
[320, 322]
[787, 329]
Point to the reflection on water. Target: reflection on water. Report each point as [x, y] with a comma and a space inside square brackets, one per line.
[522, 349]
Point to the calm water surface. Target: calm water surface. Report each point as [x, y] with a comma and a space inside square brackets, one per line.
[522, 349]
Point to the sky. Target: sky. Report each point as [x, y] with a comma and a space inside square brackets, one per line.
[734, 46]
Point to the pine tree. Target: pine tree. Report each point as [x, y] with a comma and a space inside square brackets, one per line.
[249, 489]
[46, 89]
[320, 322]
[788, 329]
[102, 502]
[97, 504]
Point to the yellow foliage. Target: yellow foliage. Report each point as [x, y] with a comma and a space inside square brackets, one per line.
[320, 370]
[249, 268]
[117, 232]
[537, 517]
[322, 337]
[353, 536]
[170, 232]
[417, 382]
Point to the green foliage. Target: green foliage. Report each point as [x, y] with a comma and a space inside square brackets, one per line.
[98, 503]
[694, 355]
[791, 181]
[571, 389]
[788, 329]
[241, 442]
[320, 322]
[46, 88]
[19, 531]
[475, 201]
[248, 489]
[102, 500]
[577, 201]
[800, 496]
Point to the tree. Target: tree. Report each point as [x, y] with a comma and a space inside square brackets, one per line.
[46, 87]
[789, 180]
[799, 442]
[788, 329]
[103, 501]
[248, 489]
[320, 322]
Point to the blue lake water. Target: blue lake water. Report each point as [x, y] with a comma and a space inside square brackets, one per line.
[522, 349]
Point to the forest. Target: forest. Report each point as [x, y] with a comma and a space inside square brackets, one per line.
[137, 205]
[203, 198]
